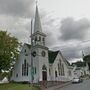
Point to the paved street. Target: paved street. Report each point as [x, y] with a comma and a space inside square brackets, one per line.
[81, 86]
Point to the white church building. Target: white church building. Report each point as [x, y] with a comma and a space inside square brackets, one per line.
[47, 65]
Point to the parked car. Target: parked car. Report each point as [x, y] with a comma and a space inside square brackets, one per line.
[77, 80]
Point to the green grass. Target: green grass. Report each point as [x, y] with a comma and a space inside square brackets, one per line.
[15, 86]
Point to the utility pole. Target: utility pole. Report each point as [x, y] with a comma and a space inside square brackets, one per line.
[31, 58]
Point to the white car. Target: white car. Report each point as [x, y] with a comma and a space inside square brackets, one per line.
[76, 80]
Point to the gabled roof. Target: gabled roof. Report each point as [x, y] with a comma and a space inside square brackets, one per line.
[52, 55]
[28, 45]
[64, 59]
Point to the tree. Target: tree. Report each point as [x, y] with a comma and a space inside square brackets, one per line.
[79, 64]
[8, 50]
[87, 58]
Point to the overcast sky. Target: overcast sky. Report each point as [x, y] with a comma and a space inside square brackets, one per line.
[66, 23]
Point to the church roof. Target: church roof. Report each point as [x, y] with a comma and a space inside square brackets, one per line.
[52, 55]
[66, 62]
[37, 23]
[28, 45]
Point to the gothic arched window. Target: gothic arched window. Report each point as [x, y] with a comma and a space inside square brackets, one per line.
[25, 68]
[59, 68]
[35, 38]
[55, 73]
[39, 38]
[44, 68]
[63, 70]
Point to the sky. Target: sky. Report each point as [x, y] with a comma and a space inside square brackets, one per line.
[65, 22]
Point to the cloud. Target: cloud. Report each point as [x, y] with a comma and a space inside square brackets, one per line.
[15, 18]
[69, 52]
[74, 30]
[16, 7]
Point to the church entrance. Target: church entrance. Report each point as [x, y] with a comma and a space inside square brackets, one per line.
[44, 73]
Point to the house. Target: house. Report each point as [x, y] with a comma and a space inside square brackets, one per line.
[80, 71]
[37, 63]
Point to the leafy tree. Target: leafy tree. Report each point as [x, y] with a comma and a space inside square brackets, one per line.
[79, 64]
[86, 58]
[8, 50]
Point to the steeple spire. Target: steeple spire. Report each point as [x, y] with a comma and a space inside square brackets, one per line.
[37, 23]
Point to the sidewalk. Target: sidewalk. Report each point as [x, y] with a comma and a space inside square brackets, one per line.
[56, 87]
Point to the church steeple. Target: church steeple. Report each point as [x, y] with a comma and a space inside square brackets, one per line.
[38, 36]
[37, 23]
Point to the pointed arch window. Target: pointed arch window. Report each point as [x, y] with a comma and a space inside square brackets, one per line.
[63, 70]
[36, 38]
[39, 38]
[59, 67]
[25, 68]
[44, 68]
[25, 50]
[49, 71]
[55, 73]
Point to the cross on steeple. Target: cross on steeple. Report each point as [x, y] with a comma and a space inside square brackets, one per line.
[38, 36]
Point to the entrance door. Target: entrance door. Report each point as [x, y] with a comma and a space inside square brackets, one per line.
[44, 73]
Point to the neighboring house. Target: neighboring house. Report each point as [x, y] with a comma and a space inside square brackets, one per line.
[80, 71]
[86, 69]
[47, 65]
[77, 72]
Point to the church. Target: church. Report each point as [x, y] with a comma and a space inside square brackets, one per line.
[37, 63]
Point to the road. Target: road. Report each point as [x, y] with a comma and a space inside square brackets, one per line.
[85, 85]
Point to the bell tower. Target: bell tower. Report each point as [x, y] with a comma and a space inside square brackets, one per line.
[39, 51]
[38, 36]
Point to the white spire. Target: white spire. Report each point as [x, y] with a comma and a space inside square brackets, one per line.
[37, 23]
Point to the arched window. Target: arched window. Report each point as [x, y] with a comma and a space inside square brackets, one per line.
[63, 70]
[25, 50]
[22, 69]
[44, 68]
[59, 69]
[16, 75]
[35, 38]
[25, 68]
[49, 71]
[39, 38]
[55, 73]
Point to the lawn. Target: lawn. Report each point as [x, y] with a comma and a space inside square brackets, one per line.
[15, 86]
